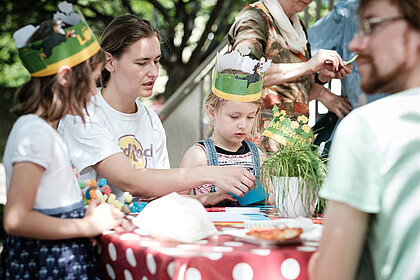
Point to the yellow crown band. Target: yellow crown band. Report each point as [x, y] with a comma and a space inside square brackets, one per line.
[71, 61]
[235, 97]
[276, 137]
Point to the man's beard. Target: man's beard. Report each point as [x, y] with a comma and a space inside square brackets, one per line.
[381, 83]
[387, 83]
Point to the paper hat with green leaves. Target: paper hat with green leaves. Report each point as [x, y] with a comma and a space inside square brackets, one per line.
[237, 77]
[70, 42]
[284, 130]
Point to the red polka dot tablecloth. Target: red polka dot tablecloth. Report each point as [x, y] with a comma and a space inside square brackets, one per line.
[135, 255]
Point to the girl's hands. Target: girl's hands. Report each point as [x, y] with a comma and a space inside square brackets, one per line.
[101, 217]
[215, 198]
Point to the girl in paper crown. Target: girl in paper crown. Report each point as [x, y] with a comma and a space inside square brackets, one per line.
[47, 226]
[233, 106]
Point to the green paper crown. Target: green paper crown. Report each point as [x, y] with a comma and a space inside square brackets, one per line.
[284, 130]
[238, 78]
[65, 46]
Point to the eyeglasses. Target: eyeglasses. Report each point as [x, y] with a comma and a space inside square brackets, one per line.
[367, 26]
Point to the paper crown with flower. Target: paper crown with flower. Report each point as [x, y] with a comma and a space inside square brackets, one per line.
[285, 130]
[70, 42]
[237, 77]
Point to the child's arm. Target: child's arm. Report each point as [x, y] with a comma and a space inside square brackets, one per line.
[196, 156]
[21, 220]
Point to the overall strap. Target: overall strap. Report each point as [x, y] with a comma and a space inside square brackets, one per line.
[255, 157]
[211, 155]
[211, 152]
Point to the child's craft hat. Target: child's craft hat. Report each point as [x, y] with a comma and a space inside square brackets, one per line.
[237, 77]
[284, 130]
[70, 42]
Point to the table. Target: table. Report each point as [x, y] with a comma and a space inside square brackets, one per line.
[135, 255]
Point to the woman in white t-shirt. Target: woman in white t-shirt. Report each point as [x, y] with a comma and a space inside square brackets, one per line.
[124, 140]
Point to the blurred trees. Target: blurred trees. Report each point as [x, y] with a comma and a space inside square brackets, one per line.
[192, 29]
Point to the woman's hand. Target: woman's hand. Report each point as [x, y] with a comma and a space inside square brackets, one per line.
[339, 105]
[326, 74]
[234, 179]
[326, 59]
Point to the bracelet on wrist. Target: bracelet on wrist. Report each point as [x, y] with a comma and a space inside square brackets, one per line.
[318, 81]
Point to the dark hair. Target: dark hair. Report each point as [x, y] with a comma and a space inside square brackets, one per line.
[121, 33]
[46, 94]
[409, 8]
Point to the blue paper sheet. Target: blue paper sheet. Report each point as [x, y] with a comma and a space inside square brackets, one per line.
[256, 195]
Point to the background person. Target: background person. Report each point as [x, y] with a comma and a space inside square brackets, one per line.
[334, 31]
[272, 29]
[124, 140]
[47, 225]
[373, 178]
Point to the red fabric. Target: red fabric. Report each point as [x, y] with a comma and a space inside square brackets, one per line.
[129, 255]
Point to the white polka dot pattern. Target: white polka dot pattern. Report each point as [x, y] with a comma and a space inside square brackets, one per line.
[261, 252]
[290, 269]
[192, 274]
[222, 249]
[233, 244]
[212, 256]
[170, 269]
[242, 271]
[110, 271]
[127, 275]
[129, 236]
[187, 246]
[112, 251]
[131, 259]
[150, 244]
[175, 252]
[306, 248]
[151, 263]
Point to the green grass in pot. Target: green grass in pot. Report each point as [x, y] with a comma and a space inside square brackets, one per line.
[300, 161]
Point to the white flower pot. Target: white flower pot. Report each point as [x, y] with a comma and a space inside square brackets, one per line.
[290, 199]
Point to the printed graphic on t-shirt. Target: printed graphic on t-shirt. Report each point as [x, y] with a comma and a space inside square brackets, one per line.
[134, 151]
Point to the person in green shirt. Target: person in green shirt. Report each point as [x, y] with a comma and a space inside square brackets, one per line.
[373, 182]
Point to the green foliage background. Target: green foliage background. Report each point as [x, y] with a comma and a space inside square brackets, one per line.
[187, 25]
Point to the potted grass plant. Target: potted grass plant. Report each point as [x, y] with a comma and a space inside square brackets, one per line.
[295, 171]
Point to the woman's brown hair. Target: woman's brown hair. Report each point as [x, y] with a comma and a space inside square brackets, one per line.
[121, 33]
[46, 94]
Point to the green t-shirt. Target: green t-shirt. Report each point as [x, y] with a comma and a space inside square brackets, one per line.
[374, 167]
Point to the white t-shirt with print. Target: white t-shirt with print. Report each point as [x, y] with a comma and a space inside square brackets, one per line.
[33, 140]
[140, 136]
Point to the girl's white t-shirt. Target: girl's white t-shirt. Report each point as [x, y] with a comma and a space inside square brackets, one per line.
[33, 140]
